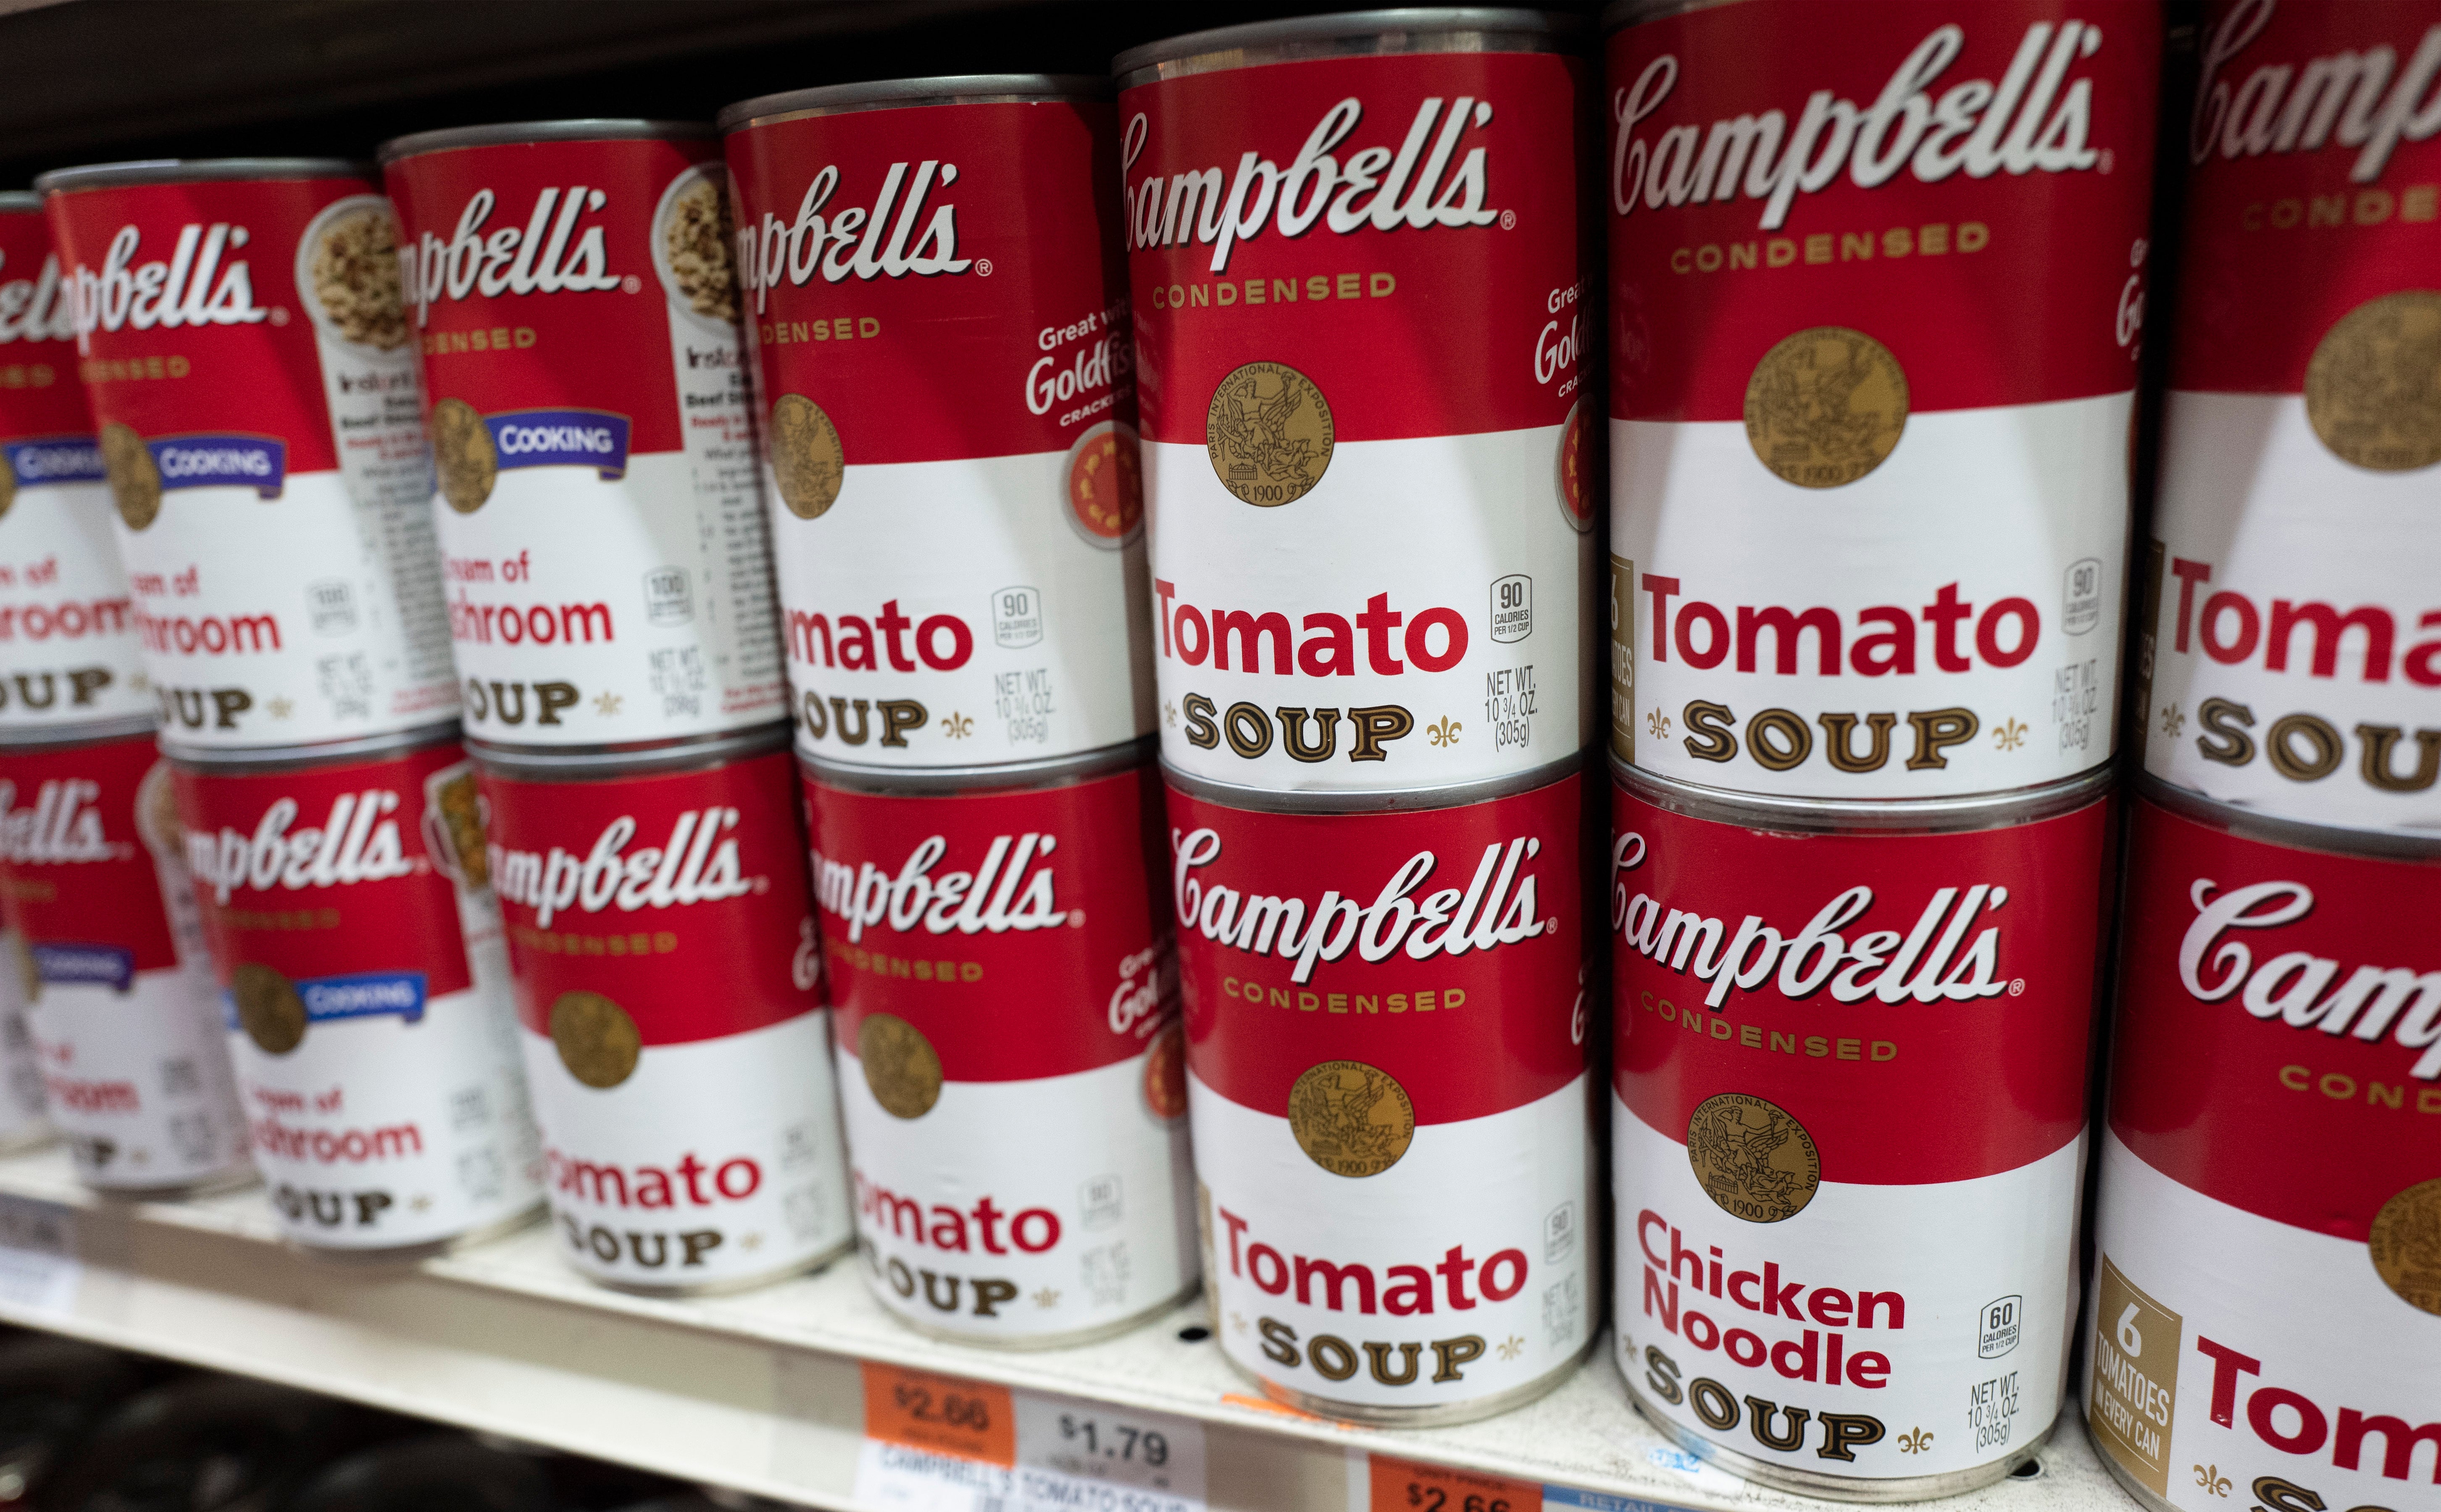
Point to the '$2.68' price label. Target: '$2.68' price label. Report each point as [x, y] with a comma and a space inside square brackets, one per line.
[1402, 1485]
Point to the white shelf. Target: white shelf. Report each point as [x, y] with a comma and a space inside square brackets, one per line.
[762, 1391]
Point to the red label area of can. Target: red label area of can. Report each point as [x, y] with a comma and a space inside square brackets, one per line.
[1017, 930]
[2279, 1026]
[1967, 184]
[1442, 946]
[76, 857]
[680, 895]
[1920, 1003]
[39, 392]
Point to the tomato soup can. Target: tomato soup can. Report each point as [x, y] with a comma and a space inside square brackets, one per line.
[1848, 1134]
[1387, 1026]
[2266, 1307]
[1360, 248]
[365, 988]
[662, 937]
[940, 323]
[600, 525]
[244, 345]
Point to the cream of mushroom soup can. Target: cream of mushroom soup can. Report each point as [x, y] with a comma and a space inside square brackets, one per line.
[242, 341]
[364, 985]
[1876, 299]
[1359, 248]
[662, 937]
[938, 310]
[121, 1010]
[2291, 629]
[67, 632]
[600, 525]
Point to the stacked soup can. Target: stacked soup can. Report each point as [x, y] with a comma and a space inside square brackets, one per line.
[1358, 253]
[1874, 297]
[931, 282]
[2277, 1055]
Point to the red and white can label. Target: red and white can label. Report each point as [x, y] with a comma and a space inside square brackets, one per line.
[246, 356]
[67, 638]
[1359, 286]
[1010, 1063]
[602, 532]
[1383, 1009]
[2294, 631]
[1894, 260]
[122, 1016]
[2278, 1048]
[950, 423]
[365, 987]
[1850, 1132]
[662, 941]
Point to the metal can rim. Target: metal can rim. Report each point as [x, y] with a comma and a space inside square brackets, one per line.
[20, 202]
[520, 133]
[57, 737]
[952, 782]
[1621, 14]
[1869, 816]
[597, 764]
[2290, 833]
[1258, 43]
[248, 760]
[141, 171]
[1401, 801]
[885, 94]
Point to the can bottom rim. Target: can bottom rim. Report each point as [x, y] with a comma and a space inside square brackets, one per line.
[404, 1255]
[1093, 1334]
[2145, 1496]
[1370, 1414]
[236, 1178]
[1878, 1489]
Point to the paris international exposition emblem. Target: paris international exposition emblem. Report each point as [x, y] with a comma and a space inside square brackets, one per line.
[1269, 432]
[268, 1008]
[900, 1065]
[464, 455]
[596, 1040]
[1825, 407]
[2372, 389]
[2406, 1245]
[1351, 1119]
[1751, 1158]
[807, 457]
[134, 481]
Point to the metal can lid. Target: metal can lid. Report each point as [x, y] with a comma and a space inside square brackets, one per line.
[595, 763]
[520, 133]
[1621, 14]
[950, 781]
[20, 202]
[54, 737]
[891, 94]
[1966, 814]
[194, 170]
[1350, 34]
[2296, 835]
[245, 760]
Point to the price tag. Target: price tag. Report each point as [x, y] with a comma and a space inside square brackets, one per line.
[39, 1268]
[1066, 1447]
[940, 1444]
[1398, 1485]
[972, 1420]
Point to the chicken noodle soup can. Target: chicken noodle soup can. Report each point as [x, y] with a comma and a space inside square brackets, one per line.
[600, 525]
[939, 308]
[1891, 262]
[121, 1009]
[662, 941]
[1388, 1074]
[243, 342]
[1848, 1066]
[1359, 248]
[364, 986]
[67, 632]
[2292, 630]
[2267, 1300]
[1011, 1062]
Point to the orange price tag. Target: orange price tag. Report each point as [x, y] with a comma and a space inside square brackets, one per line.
[971, 1420]
[1402, 1485]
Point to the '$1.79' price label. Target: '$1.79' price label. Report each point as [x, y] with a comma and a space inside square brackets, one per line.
[939, 1444]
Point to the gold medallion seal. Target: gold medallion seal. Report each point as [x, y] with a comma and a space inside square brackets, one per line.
[899, 1065]
[1351, 1119]
[596, 1040]
[1752, 1158]
[806, 457]
[29, 976]
[2373, 388]
[268, 1008]
[463, 454]
[1269, 432]
[1165, 1077]
[2406, 1245]
[8, 486]
[156, 812]
[459, 805]
[1825, 407]
[134, 482]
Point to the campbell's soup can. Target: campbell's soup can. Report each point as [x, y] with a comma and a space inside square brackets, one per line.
[68, 638]
[1011, 1062]
[1891, 259]
[1387, 1020]
[2291, 638]
[365, 990]
[1849, 1062]
[600, 525]
[1359, 247]
[243, 342]
[2267, 1299]
[121, 1007]
[663, 941]
[21, 1124]
[939, 316]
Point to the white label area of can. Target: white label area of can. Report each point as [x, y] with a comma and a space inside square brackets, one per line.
[712, 1162]
[67, 628]
[1022, 1210]
[1948, 624]
[1421, 618]
[136, 1080]
[2296, 647]
[1460, 1271]
[1877, 1332]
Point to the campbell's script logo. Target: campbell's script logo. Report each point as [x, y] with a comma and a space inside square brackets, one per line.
[854, 241]
[358, 841]
[62, 828]
[555, 250]
[697, 864]
[200, 284]
[2033, 118]
[998, 895]
[2296, 987]
[36, 309]
[2358, 99]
